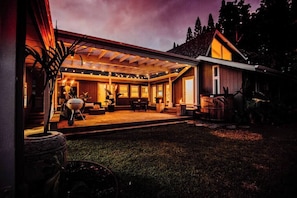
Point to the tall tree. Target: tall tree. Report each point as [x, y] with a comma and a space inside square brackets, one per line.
[210, 23]
[272, 28]
[198, 27]
[229, 19]
[189, 35]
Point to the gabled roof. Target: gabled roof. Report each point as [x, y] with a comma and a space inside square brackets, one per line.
[219, 36]
[201, 45]
[195, 47]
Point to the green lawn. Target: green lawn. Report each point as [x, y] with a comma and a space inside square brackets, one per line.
[188, 161]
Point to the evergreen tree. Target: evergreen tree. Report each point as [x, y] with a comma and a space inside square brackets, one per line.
[198, 28]
[204, 29]
[271, 27]
[229, 19]
[210, 24]
[189, 34]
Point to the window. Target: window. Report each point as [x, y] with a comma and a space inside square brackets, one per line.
[123, 89]
[219, 51]
[216, 79]
[144, 91]
[101, 93]
[134, 91]
[160, 90]
[153, 99]
[167, 93]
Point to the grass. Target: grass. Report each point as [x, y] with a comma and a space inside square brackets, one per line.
[187, 161]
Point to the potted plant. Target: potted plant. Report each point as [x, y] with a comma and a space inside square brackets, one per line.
[45, 152]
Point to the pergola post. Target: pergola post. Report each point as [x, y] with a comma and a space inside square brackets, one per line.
[196, 86]
[170, 104]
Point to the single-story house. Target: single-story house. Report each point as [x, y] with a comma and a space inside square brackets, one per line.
[192, 73]
[137, 73]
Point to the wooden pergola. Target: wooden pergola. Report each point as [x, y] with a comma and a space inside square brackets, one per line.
[121, 61]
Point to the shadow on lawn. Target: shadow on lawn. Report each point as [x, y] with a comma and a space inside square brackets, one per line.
[187, 161]
[137, 186]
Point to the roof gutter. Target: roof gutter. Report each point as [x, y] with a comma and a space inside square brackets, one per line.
[236, 65]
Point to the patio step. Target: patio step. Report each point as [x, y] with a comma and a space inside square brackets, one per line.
[170, 110]
[87, 130]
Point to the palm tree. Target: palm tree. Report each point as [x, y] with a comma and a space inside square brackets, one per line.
[50, 62]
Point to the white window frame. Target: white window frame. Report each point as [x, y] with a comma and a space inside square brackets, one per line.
[216, 79]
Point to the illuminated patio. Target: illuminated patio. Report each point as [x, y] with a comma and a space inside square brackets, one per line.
[114, 121]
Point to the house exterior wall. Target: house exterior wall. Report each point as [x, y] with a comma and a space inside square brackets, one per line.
[231, 79]
[90, 87]
[178, 86]
[205, 78]
[127, 100]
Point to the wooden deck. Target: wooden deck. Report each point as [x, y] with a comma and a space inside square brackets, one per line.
[117, 120]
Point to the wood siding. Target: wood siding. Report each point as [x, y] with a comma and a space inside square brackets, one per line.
[89, 86]
[206, 79]
[230, 78]
[177, 86]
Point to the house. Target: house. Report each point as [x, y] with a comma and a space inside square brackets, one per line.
[207, 66]
[224, 70]
[135, 72]
[100, 66]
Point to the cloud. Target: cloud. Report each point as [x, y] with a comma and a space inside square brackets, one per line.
[153, 24]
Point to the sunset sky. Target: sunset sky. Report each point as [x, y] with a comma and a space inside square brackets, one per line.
[154, 24]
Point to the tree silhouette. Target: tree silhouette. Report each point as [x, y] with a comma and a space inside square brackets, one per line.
[272, 33]
[198, 28]
[210, 24]
[189, 35]
[234, 19]
[267, 36]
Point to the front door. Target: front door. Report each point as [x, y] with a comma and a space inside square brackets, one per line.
[188, 90]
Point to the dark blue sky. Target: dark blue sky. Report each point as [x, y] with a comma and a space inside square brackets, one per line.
[154, 24]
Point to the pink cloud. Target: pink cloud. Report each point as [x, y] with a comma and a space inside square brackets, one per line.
[153, 24]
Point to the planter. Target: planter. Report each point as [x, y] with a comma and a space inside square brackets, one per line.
[44, 157]
[219, 107]
[88, 179]
[110, 108]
